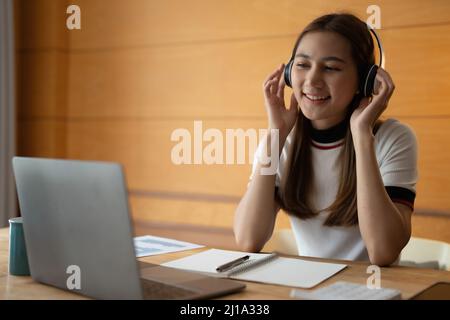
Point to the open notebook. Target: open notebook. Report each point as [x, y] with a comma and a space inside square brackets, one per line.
[261, 267]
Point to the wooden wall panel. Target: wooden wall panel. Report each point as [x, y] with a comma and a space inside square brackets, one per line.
[225, 78]
[206, 213]
[41, 138]
[418, 60]
[140, 23]
[205, 80]
[44, 75]
[42, 24]
[431, 227]
[433, 136]
[144, 147]
[214, 214]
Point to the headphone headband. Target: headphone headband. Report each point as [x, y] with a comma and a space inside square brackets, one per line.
[380, 48]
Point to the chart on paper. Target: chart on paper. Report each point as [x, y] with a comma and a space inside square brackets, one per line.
[152, 245]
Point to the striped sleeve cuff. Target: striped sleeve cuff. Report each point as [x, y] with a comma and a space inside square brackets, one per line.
[401, 195]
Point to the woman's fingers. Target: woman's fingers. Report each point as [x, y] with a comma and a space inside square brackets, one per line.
[281, 84]
[390, 84]
[270, 77]
[273, 74]
[387, 83]
[376, 86]
[383, 73]
[383, 83]
[385, 80]
[382, 92]
[274, 89]
[274, 86]
[269, 92]
[379, 96]
[269, 84]
[276, 81]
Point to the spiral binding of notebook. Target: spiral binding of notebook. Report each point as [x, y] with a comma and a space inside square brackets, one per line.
[251, 264]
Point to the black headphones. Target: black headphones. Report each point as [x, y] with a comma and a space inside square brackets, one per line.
[367, 80]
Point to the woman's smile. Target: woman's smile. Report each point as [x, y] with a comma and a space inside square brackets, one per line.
[317, 99]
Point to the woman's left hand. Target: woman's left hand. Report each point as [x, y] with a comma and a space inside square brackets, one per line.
[363, 118]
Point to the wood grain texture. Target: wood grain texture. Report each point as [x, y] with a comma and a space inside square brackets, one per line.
[43, 138]
[433, 135]
[42, 24]
[143, 23]
[42, 80]
[202, 213]
[430, 227]
[144, 148]
[222, 79]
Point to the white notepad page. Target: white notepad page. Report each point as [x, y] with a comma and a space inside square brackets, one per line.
[281, 271]
[209, 260]
[291, 272]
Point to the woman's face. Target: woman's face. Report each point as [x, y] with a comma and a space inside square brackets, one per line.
[324, 77]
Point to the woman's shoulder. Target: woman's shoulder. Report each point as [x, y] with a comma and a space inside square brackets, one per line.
[394, 135]
[391, 130]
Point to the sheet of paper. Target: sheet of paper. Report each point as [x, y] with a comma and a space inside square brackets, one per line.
[209, 260]
[152, 245]
[292, 272]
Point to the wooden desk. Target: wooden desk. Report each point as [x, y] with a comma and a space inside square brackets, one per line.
[408, 280]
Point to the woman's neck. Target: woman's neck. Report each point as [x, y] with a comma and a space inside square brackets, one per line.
[330, 134]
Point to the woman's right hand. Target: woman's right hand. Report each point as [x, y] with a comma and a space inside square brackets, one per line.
[280, 117]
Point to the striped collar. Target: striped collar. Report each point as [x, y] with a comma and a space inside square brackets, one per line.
[327, 146]
[330, 135]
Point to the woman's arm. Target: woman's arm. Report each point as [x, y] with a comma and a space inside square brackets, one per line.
[255, 215]
[385, 227]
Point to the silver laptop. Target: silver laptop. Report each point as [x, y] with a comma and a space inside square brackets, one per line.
[77, 224]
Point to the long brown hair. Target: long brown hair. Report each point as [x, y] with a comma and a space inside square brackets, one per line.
[293, 194]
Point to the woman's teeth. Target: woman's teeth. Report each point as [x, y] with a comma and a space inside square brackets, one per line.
[316, 98]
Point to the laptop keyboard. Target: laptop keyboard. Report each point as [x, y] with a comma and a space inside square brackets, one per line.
[158, 290]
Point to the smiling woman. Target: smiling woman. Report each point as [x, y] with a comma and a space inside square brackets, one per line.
[346, 179]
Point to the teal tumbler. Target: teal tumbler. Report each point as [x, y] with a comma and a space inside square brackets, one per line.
[18, 260]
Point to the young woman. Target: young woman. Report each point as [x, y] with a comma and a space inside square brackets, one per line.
[345, 178]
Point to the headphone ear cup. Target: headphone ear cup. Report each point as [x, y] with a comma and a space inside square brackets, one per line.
[287, 73]
[369, 81]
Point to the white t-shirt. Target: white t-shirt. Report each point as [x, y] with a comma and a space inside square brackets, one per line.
[396, 153]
